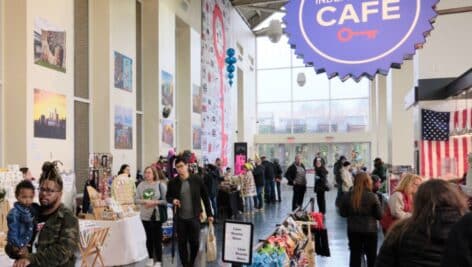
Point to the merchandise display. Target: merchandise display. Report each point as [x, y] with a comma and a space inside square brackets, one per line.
[291, 244]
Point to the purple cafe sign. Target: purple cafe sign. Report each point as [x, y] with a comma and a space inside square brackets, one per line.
[356, 38]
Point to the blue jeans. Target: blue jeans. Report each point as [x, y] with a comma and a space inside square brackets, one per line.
[260, 202]
[214, 206]
[248, 204]
[269, 190]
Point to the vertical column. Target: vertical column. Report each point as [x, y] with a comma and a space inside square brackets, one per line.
[14, 83]
[150, 79]
[183, 102]
[401, 121]
[380, 121]
[100, 70]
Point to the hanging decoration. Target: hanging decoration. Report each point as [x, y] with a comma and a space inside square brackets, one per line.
[230, 61]
[353, 39]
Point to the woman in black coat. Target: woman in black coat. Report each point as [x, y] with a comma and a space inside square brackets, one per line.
[362, 209]
[421, 239]
[321, 181]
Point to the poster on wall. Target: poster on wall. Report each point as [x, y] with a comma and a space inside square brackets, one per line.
[240, 157]
[196, 137]
[123, 128]
[216, 95]
[197, 99]
[123, 72]
[49, 45]
[167, 90]
[168, 132]
[49, 116]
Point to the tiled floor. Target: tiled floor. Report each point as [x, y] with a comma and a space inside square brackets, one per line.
[264, 224]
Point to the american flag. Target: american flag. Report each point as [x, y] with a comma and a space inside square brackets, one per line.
[442, 155]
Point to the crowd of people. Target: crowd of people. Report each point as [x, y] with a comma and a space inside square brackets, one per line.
[423, 221]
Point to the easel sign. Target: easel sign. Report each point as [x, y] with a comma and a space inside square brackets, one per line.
[237, 242]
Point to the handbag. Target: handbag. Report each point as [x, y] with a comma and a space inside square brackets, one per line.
[211, 244]
[162, 209]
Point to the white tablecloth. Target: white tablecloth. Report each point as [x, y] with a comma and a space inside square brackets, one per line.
[126, 241]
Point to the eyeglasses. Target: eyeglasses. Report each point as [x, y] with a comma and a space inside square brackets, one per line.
[48, 191]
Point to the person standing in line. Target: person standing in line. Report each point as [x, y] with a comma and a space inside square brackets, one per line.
[259, 179]
[248, 188]
[219, 167]
[125, 169]
[362, 209]
[269, 175]
[346, 177]
[278, 178]
[421, 239]
[380, 170]
[337, 171]
[149, 195]
[321, 181]
[296, 175]
[186, 193]
[212, 180]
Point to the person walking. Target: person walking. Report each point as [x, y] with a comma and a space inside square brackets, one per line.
[296, 175]
[278, 178]
[259, 179]
[321, 181]
[362, 209]
[421, 239]
[149, 195]
[186, 193]
[269, 176]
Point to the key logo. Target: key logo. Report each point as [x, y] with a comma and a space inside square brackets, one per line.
[357, 38]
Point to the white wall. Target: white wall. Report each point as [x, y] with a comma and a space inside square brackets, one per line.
[447, 51]
[166, 63]
[122, 40]
[61, 14]
[2, 106]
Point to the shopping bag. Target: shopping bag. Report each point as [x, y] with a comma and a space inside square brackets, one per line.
[211, 244]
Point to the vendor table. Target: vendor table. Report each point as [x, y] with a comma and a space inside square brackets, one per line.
[126, 241]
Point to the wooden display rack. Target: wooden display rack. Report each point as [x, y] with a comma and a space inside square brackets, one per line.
[93, 247]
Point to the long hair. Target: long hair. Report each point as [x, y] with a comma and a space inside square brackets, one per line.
[432, 197]
[406, 181]
[50, 173]
[123, 168]
[362, 182]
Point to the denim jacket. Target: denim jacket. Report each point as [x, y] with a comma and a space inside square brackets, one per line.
[21, 224]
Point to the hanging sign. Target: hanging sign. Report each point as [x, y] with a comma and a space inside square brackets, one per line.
[355, 38]
[237, 242]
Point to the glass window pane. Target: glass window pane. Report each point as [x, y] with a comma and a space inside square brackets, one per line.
[274, 118]
[349, 88]
[316, 86]
[311, 117]
[273, 55]
[273, 85]
[350, 115]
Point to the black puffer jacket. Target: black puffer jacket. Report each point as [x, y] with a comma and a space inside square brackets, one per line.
[363, 220]
[258, 173]
[458, 251]
[414, 249]
[269, 170]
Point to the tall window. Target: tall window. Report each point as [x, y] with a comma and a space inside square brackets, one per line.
[319, 106]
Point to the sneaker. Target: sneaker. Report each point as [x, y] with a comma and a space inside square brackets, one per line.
[149, 263]
[157, 264]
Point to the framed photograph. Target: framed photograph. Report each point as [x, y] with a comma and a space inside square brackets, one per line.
[123, 77]
[50, 112]
[167, 89]
[49, 45]
[123, 128]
